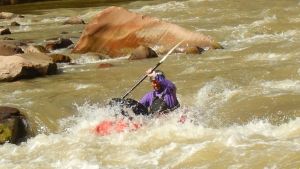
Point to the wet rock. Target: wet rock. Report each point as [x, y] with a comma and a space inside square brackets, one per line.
[4, 31]
[7, 48]
[73, 21]
[117, 32]
[58, 44]
[14, 24]
[6, 15]
[35, 49]
[14, 126]
[7, 38]
[104, 65]
[24, 66]
[60, 58]
[194, 50]
[142, 52]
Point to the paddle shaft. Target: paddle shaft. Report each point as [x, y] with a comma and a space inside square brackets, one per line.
[140, 81]
[159, 63]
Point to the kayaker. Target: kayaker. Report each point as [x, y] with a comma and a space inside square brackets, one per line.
[163, 98]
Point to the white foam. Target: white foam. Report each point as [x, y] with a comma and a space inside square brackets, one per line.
[215, 93]
[54, 20]
[267, 57]
[279, 87]
[83, 86]
[294, 20]
[189, 70]
[169, 6]
[159, 139]
[89, 58]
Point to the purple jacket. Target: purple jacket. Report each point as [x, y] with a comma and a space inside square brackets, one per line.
[168, 91]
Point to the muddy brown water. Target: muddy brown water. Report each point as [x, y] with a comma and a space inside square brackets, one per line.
[243, 102]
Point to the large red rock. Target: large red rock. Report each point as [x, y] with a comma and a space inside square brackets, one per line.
[116, 31]
[22, 66]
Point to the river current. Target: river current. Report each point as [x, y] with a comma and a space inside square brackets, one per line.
[242, 102]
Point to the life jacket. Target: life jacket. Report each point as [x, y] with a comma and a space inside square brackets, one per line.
[158, 104]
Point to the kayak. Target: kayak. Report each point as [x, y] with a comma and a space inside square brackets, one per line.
[129, 109]
[107, 127]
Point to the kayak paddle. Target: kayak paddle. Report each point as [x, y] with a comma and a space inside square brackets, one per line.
[159, 63]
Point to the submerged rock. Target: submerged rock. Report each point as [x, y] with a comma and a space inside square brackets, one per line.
[104, 65]
[14, 126]
[23, 66]
[15, 24]
[117, 32]
[4, 31]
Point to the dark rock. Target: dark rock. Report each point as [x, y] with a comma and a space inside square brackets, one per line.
[6, 112]
[14, 24]
[194, 50]
[14, 126]
[58, 44]
[60, 58]
[7, 38]
[35, 49]
[4, 31]
[142, 52]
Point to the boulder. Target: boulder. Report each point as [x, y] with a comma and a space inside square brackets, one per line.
[35, 49]
[73, 21]
[23, 66]
[4, 31]
[8, 38]
[60, 58]
[14, 24]
[9, 48]
[193, 50]
[116, 32]
[7, 15]
[14, 126]
[142, 52]
[58, 44]
[105, 65]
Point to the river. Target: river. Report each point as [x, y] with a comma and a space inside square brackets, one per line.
[242, 102]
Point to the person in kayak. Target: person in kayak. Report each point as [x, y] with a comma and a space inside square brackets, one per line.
[163, 98]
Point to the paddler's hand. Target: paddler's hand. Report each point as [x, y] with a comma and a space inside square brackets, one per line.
[150, 74]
